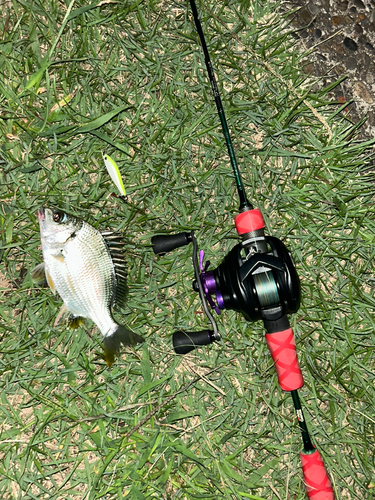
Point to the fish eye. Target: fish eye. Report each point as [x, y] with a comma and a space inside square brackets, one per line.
[58, 217]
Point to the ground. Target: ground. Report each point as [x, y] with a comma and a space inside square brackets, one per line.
[343, 34]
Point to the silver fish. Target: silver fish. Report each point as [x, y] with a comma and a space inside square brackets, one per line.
[86, 268]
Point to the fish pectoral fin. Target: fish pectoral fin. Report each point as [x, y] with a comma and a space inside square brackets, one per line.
[112, 343]
[59, 256]
[65, 316]
[38, 274]
[51, 284]
[41, 276]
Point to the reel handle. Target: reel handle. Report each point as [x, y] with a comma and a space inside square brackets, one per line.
[184, 342]
[163, 243]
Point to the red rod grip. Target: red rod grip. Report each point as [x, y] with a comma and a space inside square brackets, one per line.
[283, 350]
[318, 485]
[249, 221]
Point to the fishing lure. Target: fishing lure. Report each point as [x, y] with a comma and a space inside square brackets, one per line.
[114, 173]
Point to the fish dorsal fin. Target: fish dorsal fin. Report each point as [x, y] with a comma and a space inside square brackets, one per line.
[115, 245]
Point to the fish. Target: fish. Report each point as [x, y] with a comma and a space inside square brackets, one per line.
[86, 268]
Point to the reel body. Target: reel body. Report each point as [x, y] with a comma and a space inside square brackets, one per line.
[260, 286]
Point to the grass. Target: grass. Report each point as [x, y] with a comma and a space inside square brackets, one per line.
[128, 78]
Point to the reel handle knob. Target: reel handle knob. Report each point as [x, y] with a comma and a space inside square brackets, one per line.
[184, 342]
[163, 243]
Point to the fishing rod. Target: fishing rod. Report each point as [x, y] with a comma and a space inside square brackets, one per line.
[258, 279]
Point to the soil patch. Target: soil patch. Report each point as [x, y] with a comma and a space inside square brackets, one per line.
[343, 35]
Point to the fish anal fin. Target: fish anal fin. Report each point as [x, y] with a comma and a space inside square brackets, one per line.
[73, 322]
[65, 316]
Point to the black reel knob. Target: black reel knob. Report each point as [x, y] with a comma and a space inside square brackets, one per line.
[184, 342]
[166, 243]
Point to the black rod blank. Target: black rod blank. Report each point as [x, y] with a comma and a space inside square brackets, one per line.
[244, 202]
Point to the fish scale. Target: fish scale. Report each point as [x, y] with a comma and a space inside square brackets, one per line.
[87, 261]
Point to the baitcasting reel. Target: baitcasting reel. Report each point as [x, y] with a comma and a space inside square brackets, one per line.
[257, 278]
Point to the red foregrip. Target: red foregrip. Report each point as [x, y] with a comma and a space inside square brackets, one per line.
[249, 221]
[318, 485]
[283, 350]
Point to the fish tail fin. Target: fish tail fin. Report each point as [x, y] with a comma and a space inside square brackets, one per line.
[113, 342]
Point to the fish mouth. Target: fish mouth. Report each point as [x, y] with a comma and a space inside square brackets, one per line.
[41, 214]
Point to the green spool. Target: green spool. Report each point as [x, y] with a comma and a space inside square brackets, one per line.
[266, 289]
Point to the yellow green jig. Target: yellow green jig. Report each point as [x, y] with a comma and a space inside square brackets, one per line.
[114, 173]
